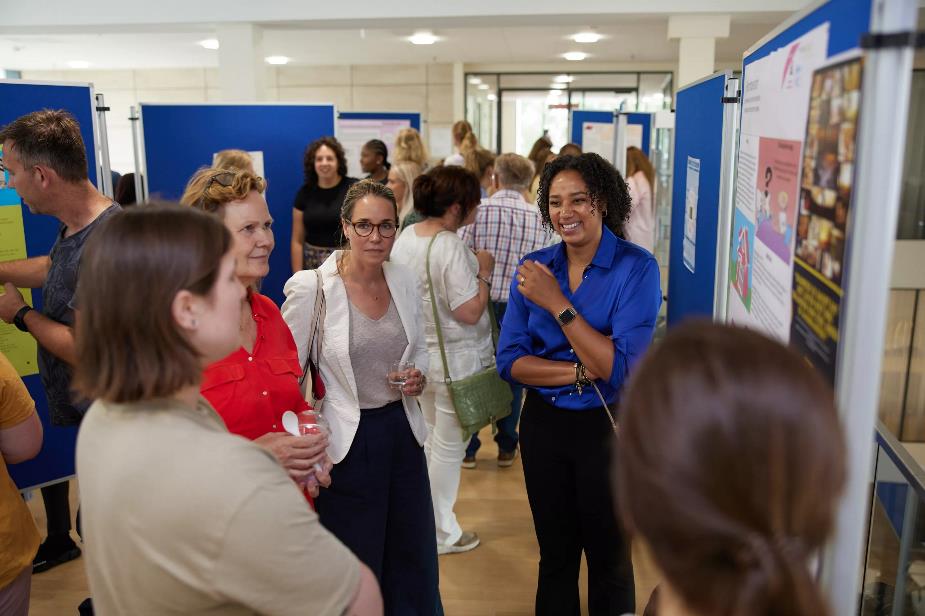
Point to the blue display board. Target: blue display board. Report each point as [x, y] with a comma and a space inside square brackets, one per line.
[179, 139]
[580, 117]
[414, 118]
[699, 135]
[56, 459]
[644, 120]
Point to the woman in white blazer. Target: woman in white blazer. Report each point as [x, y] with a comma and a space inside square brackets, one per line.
[379, 502]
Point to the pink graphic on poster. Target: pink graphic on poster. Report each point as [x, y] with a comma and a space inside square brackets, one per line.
[776, 194]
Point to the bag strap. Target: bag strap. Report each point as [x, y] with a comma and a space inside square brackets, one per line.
[316, 328]
[433, 304]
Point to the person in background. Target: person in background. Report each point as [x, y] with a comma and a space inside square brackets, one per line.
[206, 522]
[44, 154]
[730, 464]
[481, 163]
[580, 314]
[125, 191]
[540, 148]
[410, 147]
[374, 160]
[253, 386]
[20, 440]
[507, 227]
[548, 157]
[316, 209]
[640, 179]
[401, 179]
[448, 197]
[464, 140]
[379, 502]
[570, 149]
[233, 159]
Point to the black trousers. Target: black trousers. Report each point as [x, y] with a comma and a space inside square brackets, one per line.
[379, 506]
[57, 509]
[566, 460]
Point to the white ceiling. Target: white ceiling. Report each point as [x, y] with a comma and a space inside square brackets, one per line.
[630, 39]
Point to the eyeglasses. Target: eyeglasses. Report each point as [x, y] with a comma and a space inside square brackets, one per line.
[386, 229]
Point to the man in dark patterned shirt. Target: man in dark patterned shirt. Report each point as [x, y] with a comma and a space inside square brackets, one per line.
[46, 159]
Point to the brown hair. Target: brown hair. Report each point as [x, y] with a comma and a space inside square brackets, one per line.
[570, 149]
[365, 188]
[478, 160]
[438, 189]
[308, 162]
[461, 129]
[637, 161]
[407, 171]
[409, 147]
[729, 466]
[233, 159]
[49, 138]
[129, 347]
[513, 171]
[211, 189]
[541, 144]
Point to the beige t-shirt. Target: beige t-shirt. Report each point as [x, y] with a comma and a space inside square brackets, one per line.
[181, 517]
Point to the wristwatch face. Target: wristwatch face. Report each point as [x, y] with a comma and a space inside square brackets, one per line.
[565, 317]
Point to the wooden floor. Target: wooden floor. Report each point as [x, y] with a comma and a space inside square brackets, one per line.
[496, 579]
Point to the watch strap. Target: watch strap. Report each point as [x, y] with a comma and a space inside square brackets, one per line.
[19, 318]
[566, 316]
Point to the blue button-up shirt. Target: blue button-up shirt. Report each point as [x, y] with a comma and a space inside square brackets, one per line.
[619, 296]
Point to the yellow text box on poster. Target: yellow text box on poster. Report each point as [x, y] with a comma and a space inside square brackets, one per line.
[19, 347]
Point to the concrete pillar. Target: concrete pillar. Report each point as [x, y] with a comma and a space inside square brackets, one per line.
[697, 36]
[241, 68]
[459, 91]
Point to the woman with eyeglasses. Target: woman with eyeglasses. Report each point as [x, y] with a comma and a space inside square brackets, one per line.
[448, 198]
[379, 500]
[253, 386]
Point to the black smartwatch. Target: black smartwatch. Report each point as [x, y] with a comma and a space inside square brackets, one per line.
[566, 316]
[19, 319]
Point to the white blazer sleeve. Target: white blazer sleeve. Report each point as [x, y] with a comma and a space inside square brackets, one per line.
[298, 308]
[420, 354]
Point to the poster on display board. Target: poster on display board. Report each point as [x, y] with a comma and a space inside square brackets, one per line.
[691, 197]
[776, 91]
[826, 188]
[598, 138]
[19, 347]
[353, 133]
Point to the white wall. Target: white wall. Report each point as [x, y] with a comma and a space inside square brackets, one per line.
[425, 88]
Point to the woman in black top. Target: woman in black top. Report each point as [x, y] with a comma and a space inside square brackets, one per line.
[316, 209]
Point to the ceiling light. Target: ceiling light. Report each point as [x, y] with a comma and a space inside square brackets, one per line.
[475, 81]
[78, 64]
[484, 86]
[587, 37]
[277, 60]
[575, 56]
[423, 38]
[209, 44]
[558, 86]
[492, 97]
[563, 79]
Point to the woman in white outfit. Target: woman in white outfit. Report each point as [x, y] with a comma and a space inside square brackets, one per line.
[640, 179]
[448, 198]
[379, 501]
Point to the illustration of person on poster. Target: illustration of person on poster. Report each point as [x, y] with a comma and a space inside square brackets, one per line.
[825, 200]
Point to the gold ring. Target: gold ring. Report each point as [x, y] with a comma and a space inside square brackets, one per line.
[522, 279]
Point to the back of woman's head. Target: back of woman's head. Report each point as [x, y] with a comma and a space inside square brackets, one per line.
[541, 144]
[606, 187]
[210, 189]
[409, 147]
[478, 160]
[124, 192]
[129, 347]
[729, 466]
[308, 161]
[438, 189]
[636, 161]
[461, 129]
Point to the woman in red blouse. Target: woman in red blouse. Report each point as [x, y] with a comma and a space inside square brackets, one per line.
[256, 384]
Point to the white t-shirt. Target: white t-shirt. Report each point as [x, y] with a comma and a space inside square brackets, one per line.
[454, 270]
[640, 228]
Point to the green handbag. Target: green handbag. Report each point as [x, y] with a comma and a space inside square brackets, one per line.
[482, 398]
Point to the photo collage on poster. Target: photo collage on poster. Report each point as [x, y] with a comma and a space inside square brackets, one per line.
[828, 169]
[825, 198]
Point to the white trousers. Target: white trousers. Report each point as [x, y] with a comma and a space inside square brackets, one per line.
[444, 450]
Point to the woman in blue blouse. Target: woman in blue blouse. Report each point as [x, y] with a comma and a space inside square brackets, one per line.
[583, 310]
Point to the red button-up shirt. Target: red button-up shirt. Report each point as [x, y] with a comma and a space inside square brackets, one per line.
[251, 391]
